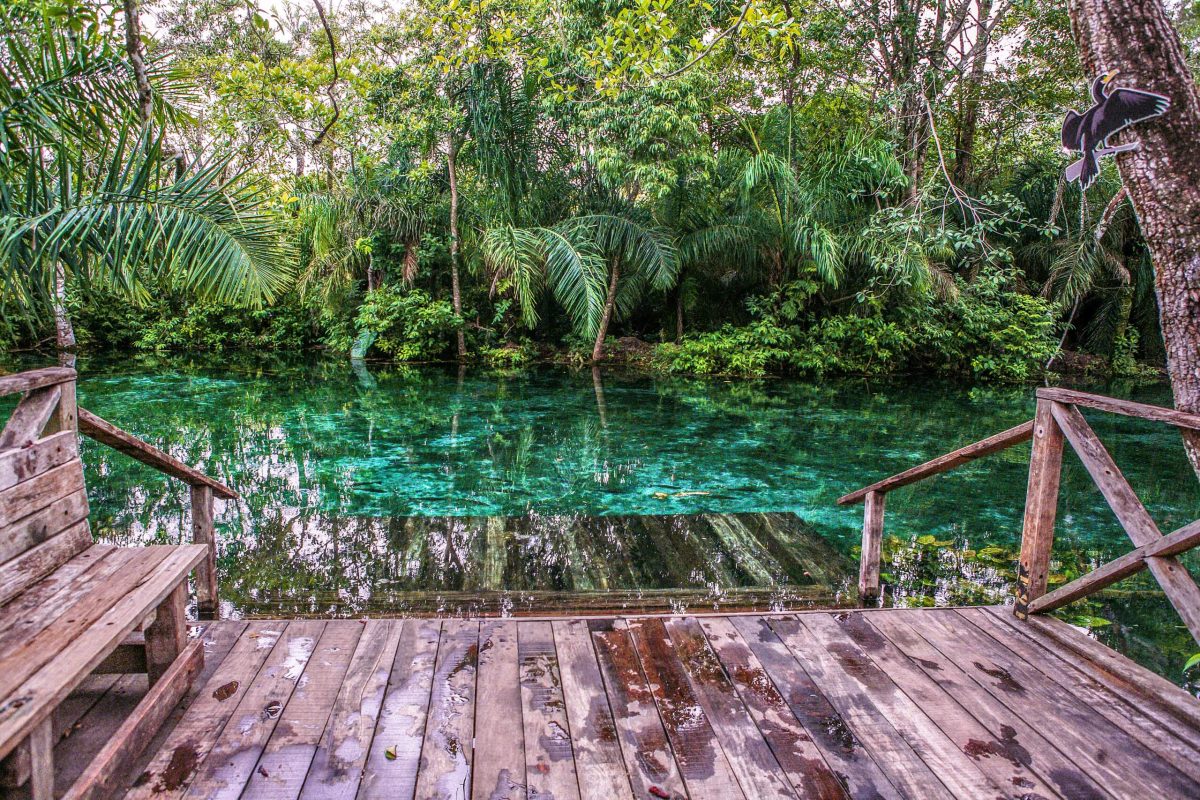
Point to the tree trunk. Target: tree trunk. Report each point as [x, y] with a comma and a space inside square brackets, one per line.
[64, 331]
[455, 291]
[133, 49]
[678, 314]
[609, 303]
[965, 147]
[412, 248]
[1163, 176]
[374, 278]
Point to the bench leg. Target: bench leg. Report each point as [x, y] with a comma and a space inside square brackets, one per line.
[41, 751]
[167, 635]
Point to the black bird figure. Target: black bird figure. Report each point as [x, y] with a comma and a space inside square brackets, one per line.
[1111, 111]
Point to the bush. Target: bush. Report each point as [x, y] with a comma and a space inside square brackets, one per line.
[408, 323]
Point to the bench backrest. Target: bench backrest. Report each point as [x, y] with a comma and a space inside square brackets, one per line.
[43, 501]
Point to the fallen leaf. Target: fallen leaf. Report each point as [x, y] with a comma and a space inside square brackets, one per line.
[390, 753]
[225, 692]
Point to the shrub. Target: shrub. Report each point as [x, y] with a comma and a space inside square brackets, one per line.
[408, 323]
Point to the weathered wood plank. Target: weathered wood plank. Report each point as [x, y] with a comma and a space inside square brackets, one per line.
[702, 762]
[189, 744]
[234, 754]
[35, 379]
[45, 601]
[29, 418]
[166, 636]
[39, 527]
[1041, 507]
[649, 760]
[41, 749]
[549, 757]
[868, 695]
[106, 771]
[36, 563]
[1017, 740]
[944, 463]
[1179, 747]
[998, 757]
[598, 763]
[842, 749]
[892, 751]
[1128, 408]
[203, 533]
[290, 750]
[1113, 759]
[122, 441]
[20, 464]
[40, 491]
[499, 738]
[1172, 576]
[872, 545]
[750, 758]
[446, 754]
[395, 755]
[337, 768]
[1113, 670]
[793, 748]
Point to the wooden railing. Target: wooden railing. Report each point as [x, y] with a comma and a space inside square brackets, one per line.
[49, 402]
[1058, 421]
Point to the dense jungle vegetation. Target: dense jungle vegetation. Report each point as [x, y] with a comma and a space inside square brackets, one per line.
[764, 187]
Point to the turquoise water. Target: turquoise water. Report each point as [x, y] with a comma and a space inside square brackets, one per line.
[334, 463]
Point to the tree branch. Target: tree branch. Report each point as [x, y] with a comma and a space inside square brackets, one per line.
[333, 83]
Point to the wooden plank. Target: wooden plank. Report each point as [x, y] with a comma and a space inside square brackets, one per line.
[36, 563]
[395, 755]
[1107, 755]
[1041, 507]
[1017, 740]
[1128, 408]
[40, 491]
[841, 748]
[872, 544]
[337, 768]
[598, 763]
[45, 601]
[984, 739]
[34, 529]
[233, 756]
[499, 739]
[167, 635]
[41, 749]
[869, 699]
[107, 769]
[21, 464]
[702, 762]
[186, 747]
[944, 463]
[66, 414]
[549, 757]
[1172, 576]
[446, 754]
[1177, 745]
[29, 418]
[1118, 569]
[649, 760]
[1115, 671]
[203, 533]
[124, 442]
[289, 752]
[797, 755]
[35, 379]
[758, 772]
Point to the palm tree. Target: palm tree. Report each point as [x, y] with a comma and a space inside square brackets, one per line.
[88, 196]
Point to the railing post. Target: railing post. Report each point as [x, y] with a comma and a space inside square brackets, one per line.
[203, 533]
[1041, 507]
[65, 417]
[872, 545]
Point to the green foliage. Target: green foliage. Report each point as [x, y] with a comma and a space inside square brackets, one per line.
[410, 325]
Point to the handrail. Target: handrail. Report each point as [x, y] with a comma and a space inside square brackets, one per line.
[106, 433]
[35, 379]
[1056, 423]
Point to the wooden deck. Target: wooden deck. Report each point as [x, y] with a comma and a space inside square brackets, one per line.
[928, 703]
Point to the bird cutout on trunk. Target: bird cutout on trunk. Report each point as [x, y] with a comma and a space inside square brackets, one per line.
[1112, 110]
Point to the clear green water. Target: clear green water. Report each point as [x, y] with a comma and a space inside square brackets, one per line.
[334, 463]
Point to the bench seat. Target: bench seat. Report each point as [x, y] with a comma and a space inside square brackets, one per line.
[58, 631]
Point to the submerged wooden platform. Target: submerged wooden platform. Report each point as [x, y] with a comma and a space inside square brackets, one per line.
[916, 703]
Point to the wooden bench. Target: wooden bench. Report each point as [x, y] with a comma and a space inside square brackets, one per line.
[69, 606]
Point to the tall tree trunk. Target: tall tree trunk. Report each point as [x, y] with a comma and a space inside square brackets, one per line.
[679, 313]
[64, 331]
[412, 249]
[1163, 176]
[133, 49]
[965, 147]
[610, 303]
[455, 291]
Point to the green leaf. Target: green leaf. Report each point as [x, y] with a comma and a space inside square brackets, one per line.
[1191, 662]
